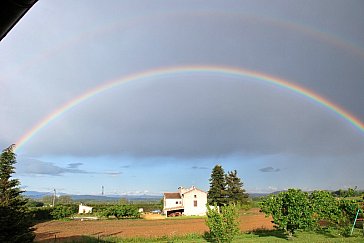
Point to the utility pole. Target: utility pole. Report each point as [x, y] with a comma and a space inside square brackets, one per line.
[102, 192]
[54, 198]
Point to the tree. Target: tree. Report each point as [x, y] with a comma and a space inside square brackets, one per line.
[121, 211]
[15, 222]
[234, 191]
[217, 191]
[325, 207]
[290, 210]
[62, 211]
[223, 225]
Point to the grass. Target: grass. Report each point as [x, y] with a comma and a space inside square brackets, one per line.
[259, 236]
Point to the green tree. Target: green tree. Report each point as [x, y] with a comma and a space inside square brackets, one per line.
[15, 222]
[224, 225]
[33, 203]
[235, 192]
[62, 211]
[290, 210]
[217, 191]
[121, 211]
[325, 207]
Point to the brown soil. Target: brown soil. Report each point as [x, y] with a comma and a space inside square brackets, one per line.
[70, 230]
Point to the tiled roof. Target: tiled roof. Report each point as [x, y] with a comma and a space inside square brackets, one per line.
[193, 189]
[172, 195]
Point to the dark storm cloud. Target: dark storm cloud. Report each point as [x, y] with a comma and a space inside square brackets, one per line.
[195, 117]
[269, 169]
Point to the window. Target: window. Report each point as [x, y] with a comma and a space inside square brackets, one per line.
[194, 196]
[176, 202]
[195, 203]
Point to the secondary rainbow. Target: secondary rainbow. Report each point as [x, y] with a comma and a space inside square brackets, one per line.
[184, 70]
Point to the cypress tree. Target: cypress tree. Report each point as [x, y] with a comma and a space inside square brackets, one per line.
[15, 223]
[235, 191]
[217, 191]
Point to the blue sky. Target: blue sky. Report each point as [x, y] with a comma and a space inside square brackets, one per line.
[154, 135]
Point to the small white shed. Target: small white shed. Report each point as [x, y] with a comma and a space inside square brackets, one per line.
[84, 209]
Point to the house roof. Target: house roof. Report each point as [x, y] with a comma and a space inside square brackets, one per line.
[172, 195]
[194, 189]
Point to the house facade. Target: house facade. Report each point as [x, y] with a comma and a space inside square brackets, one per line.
[186, 201]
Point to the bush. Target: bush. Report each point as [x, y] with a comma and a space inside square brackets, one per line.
[121, 211]
[61, 212]
[41, 213]
[224, 225]
[348, 210]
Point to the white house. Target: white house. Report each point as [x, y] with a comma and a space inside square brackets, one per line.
[191, 201]
[84, 209]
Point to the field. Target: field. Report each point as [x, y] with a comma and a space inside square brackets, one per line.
[71, 230]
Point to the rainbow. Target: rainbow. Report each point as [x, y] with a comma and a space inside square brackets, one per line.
[184, 70]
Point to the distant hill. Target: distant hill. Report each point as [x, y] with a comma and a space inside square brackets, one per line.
[254, 195]
[39, 195]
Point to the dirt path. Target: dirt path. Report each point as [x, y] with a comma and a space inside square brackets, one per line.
[139, 228]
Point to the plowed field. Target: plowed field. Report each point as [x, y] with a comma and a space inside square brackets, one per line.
[68, 230]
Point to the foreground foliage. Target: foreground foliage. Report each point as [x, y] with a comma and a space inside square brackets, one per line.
[224, 225]
[15, 222]
[294, 209]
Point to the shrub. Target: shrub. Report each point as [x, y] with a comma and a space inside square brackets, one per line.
[43, 213]
[121, 211]
[348, 210]
[61, 212]
[224, 225]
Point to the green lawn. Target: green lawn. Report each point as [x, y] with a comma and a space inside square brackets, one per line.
[262, 236]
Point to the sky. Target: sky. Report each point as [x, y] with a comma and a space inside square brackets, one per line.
[144, 96]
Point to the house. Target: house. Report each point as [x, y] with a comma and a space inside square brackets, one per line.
[187, 201]
[84, 209]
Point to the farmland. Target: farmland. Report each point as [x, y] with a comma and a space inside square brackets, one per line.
[67, 230]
